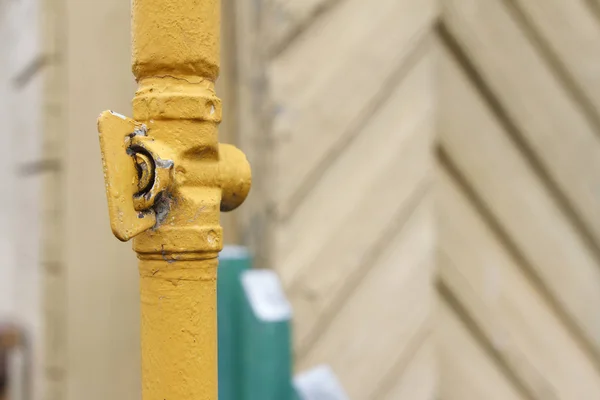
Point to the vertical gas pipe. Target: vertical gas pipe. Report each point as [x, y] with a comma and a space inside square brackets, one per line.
[167, 179]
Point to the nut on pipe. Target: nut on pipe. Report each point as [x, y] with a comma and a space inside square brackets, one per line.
[236, 177]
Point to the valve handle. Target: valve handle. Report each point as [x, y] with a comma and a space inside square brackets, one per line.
[121, 176]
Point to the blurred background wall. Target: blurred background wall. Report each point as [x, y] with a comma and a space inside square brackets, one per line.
[355, 116]
[518, 199]
[33, 272]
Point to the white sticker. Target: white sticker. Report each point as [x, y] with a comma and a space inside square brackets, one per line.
[319, 383]
[265, 294]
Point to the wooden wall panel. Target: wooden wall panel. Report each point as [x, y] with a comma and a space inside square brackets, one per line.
[518, 155]
[571, 33]
[538, 105]
[318, 110]
[398, 283]
[506, 305]
[404, 116]
[520, 202]
[467, 372]
[347, 116]
[347, 253]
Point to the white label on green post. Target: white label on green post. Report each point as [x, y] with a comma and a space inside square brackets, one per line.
[266, 297]
[231, 252]
[319, 383]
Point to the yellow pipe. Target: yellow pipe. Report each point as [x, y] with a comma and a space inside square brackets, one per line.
[179, 349]
[167, 179]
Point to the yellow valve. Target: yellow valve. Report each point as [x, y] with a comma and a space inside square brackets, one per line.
[136, 175]
[167, 181]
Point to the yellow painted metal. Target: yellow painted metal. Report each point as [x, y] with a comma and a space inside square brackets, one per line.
[167, 180]
[121, 177]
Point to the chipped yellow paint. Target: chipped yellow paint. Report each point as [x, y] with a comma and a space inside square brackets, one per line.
[191, 179]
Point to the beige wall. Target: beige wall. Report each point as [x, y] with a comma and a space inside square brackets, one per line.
[103, 319]
[519, 173]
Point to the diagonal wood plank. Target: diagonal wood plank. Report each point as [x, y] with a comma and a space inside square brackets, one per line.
[323, 210]
[393, 302]
[348, 251]
[551, 123]
[286, 18]
[468, 372]
[317, 301]
[524, 209]
[323, 85]
[573, 34]
[506, 305]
